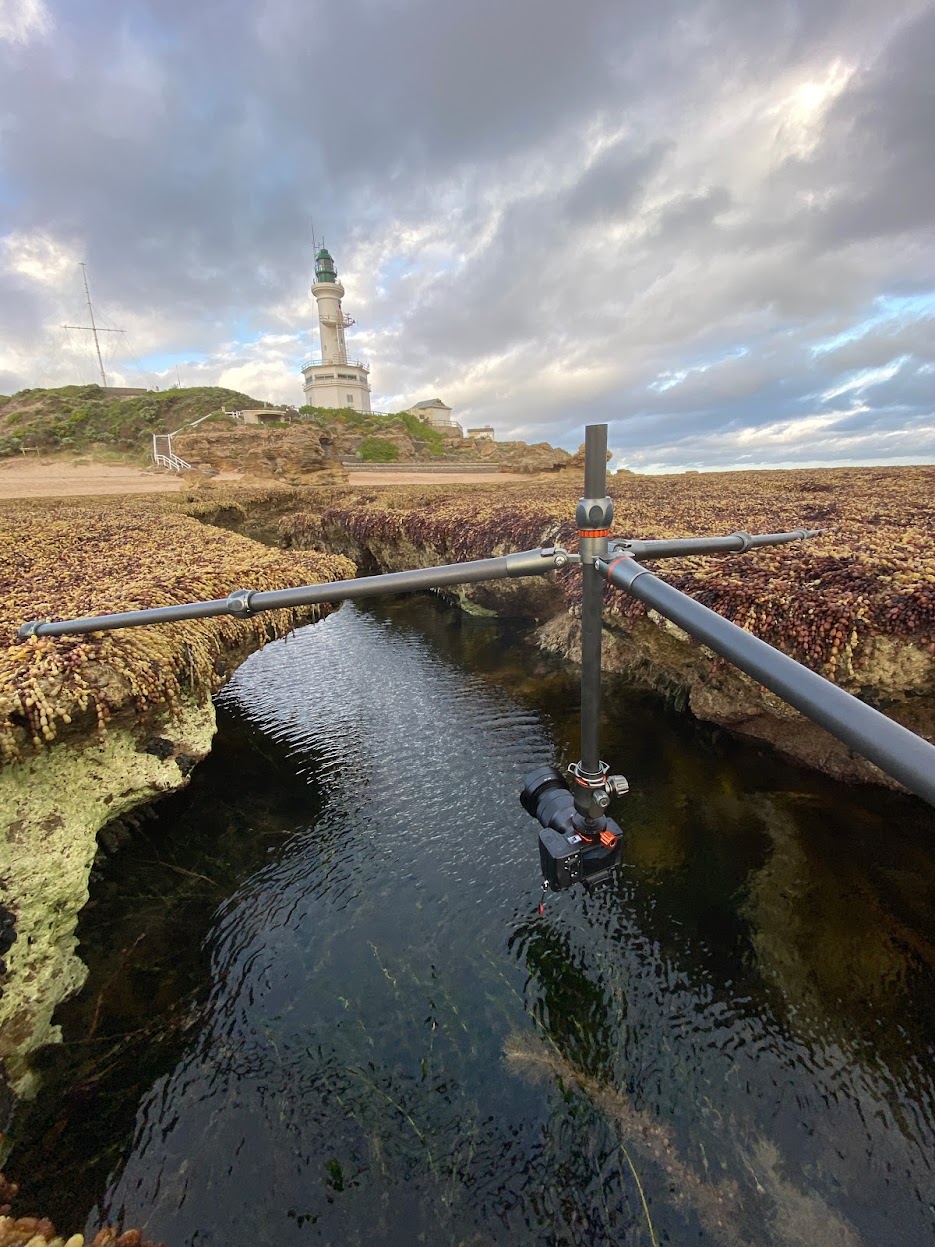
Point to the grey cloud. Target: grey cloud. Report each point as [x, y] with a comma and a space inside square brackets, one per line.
[912, 388]
[878, 155]
[21, 311]
[610, 187]
[878, 346]
[882, 420]
[712, 450]
[188, 184]
[692, 212]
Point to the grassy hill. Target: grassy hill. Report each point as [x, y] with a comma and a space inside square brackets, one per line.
[85, 417]
[81, 418]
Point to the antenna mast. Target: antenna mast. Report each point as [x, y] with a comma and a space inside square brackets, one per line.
[93, 327]
[97, 345]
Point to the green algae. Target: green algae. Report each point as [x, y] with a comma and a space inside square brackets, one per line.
[51, 809]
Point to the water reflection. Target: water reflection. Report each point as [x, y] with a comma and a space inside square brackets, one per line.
[843, 934]
[363, 1031]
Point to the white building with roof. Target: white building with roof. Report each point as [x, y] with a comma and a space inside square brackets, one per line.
[332, 380]
[436, 413]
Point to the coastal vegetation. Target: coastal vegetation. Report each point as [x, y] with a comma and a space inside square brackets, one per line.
[118, 426]
[371, 425]
[377, 450]
[78, 418]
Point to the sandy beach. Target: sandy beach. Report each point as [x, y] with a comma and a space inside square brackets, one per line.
[57, 478]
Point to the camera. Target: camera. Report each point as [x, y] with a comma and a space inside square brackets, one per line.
[572, 849]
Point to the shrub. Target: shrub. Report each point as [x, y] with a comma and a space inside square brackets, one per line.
[419, 431]
[378, 450]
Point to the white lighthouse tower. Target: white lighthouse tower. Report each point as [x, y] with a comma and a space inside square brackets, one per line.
[332, 381]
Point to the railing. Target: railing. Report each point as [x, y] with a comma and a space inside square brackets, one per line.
[341, 319]
[173, 462]
[344, 363]
[165, 457]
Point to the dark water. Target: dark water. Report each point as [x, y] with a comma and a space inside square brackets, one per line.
[322, 1006]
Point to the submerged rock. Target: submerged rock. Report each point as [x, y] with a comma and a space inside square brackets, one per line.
[774, 1213]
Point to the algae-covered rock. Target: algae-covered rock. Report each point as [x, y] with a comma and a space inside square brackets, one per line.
[896, 676]
[51, 808]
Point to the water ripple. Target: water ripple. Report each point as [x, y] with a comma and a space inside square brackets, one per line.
[739, 1030]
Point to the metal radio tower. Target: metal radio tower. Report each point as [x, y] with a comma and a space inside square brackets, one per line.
[92, 328]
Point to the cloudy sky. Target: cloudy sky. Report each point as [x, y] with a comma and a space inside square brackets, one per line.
[707, 222]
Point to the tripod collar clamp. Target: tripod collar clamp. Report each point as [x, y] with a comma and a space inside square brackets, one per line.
[589, 779]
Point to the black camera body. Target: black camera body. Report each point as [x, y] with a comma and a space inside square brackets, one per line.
[570, 851]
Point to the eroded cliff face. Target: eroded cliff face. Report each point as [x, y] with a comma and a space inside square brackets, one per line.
[304, 454]
[51, 809]
[294, 455]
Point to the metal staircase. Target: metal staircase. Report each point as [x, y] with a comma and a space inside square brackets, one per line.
[165, 457]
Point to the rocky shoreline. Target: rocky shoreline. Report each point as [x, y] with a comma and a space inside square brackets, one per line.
[95, 726]
[304, 454]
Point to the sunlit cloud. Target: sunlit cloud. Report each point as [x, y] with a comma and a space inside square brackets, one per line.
[24, 20]
[800, 114]
[889, 310]
[37, 256]
[864, 379]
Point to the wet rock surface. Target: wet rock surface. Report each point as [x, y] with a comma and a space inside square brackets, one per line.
[51, 808]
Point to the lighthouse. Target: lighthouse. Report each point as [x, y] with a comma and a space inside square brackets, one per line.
[333, 380]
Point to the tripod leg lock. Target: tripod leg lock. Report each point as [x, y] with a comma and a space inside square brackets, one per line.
[238, 603]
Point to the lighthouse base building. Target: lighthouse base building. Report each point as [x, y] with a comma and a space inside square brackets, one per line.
[337, 384]
[333, 380]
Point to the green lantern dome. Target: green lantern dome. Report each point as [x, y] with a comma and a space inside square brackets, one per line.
[324, 266]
